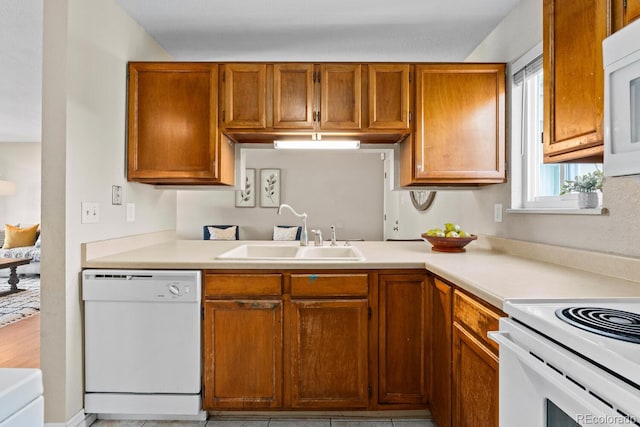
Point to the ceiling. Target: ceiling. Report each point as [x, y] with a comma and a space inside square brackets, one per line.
[253, 30]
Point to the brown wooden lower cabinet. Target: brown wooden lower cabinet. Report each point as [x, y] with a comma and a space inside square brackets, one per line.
[341, 340]
[243, 354]
[464, 361]
[329, 354]
[441, 340]
[475, 362]
[403, 339]
[475, 381]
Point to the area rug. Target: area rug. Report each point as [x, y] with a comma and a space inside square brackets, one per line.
[21, 305]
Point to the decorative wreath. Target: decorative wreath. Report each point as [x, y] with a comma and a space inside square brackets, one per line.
[421, 199]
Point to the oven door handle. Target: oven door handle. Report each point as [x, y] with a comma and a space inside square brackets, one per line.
[502, 338]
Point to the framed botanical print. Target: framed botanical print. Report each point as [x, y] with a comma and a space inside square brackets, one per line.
[269, 188]
[247, 198]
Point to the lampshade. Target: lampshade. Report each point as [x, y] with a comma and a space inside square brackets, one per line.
[7, 188]
[327, 144]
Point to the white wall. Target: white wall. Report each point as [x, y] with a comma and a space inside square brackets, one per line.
[340, 188]
[20, 163]
[518, 32]
[87, 44]
[613, 233]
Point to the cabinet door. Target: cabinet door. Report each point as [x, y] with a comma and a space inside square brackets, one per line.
[475, 381]
[341, 90]
[172, 132]
[403, 339]
[293, 99]
[441, 341]
[460, 124]
[245, 88]
[574, 79]
[329, 354]
[631, 11]
[388, 102]
[242, 354]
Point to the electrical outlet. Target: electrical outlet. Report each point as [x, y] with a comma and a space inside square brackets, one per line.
[131, 212]
[497, 212]
[90, 213]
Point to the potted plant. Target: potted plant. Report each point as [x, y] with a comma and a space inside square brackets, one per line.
[586, 186]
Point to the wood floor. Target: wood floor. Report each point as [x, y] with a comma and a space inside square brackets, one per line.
[20, 344]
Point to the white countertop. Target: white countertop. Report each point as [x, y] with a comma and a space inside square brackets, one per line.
[491, 275]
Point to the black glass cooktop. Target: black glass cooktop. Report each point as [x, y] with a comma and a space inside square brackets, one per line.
[616, 324]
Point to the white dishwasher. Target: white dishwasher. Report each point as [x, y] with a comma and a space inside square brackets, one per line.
[142, 341]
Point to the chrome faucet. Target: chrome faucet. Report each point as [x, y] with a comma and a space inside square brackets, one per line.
[304, 240]
[333, 236]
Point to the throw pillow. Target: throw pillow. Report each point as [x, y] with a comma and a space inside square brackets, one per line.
[228, 233]
[284, 233]
[16, 237]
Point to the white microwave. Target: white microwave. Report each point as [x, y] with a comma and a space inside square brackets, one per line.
[621, 55]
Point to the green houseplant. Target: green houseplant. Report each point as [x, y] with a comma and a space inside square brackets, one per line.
[586, 186]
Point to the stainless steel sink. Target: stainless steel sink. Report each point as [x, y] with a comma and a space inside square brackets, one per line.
[293, 253]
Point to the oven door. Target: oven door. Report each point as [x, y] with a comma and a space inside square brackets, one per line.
[544, 385]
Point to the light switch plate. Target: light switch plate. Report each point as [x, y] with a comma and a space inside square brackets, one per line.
[90, 213]
[497, 212]
[131, 212]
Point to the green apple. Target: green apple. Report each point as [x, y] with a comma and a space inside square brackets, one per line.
[463, 233]
[451, 227]
[452, 234]
[434, 232]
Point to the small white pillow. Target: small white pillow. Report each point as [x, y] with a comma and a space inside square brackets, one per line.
[284, 233]
[228, 233]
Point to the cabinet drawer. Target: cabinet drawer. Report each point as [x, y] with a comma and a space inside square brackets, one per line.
[233, 285]
[476, 317]
[342, 285]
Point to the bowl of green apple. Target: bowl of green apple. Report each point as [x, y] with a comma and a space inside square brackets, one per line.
[451, 238]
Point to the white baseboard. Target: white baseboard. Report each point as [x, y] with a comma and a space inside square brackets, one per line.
[202, 416]
[78, 420]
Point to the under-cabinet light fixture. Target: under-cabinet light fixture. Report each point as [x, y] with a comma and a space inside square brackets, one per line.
[326, 144]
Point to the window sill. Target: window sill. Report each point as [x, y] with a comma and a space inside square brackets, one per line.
[559, 211]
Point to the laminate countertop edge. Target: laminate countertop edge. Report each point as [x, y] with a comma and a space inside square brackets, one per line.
[491, 274]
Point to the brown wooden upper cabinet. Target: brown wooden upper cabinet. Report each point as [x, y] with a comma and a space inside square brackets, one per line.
[272, 98]
[293, 96]
[459, 126]
[625, 12]
[574, 79]
[172, 125]
[244, 96]
[388, 96]
[631, 11]
[340, 97]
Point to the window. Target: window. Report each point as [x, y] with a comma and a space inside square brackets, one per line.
[535, 184]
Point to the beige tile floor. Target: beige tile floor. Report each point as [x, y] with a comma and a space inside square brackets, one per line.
[273, 422]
